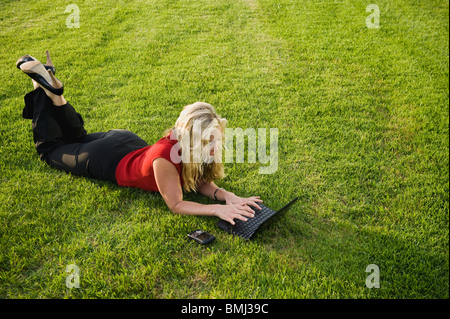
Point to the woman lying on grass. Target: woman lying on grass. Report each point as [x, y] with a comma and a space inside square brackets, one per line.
[171, 165]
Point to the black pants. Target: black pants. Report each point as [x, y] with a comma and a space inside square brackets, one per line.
[62, 141]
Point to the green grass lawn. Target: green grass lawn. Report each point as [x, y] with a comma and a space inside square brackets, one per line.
[362, 114]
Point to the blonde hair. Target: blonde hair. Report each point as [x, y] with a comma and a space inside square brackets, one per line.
[193, 129]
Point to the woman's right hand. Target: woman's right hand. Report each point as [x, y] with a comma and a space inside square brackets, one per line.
[234, 211]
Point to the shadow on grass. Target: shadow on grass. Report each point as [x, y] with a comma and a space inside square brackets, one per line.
[342, 251]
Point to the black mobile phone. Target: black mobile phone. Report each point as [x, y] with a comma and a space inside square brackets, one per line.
[201, 237]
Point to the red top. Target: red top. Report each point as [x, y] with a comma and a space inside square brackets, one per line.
[136, 168]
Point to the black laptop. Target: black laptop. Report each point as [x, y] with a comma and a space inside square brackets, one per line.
[247, 229]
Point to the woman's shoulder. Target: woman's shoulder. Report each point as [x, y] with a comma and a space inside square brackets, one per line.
[163, 148]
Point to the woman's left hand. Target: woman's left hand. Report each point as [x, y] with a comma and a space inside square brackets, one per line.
[250, 201]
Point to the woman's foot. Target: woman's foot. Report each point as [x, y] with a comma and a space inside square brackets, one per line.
[43, 76]
[58, 100]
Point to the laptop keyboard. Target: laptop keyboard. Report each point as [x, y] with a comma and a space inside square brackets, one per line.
[248, 228]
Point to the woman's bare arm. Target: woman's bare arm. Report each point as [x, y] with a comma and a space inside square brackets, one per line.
[169, 186]
[208, 189]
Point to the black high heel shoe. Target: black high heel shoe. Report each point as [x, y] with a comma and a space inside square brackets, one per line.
[44, 75]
